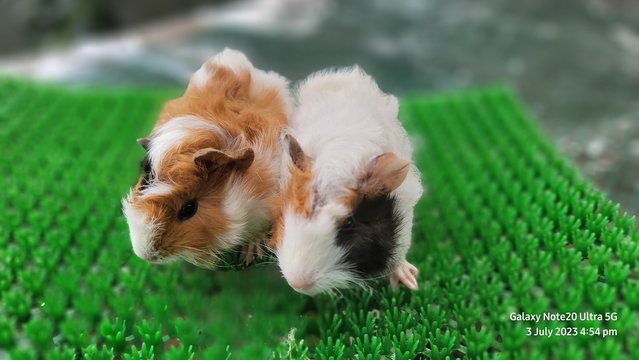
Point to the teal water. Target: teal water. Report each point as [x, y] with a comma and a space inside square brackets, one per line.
[575, 63]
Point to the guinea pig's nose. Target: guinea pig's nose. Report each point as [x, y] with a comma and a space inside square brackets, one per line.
[150, 256]
[300, 283]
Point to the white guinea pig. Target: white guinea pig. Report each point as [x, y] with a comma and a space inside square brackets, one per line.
[212, 165]
[348, 187]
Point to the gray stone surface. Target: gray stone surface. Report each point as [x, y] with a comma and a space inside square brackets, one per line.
[575, 63]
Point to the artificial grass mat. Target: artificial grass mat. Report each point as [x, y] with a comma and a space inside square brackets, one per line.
[507, 226]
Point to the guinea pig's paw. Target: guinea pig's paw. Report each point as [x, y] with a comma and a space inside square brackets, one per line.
[251, 251]
[248, 252]
[406, 273]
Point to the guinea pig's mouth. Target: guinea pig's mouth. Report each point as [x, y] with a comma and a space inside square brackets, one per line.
[155, 257]
[328, 285]
[163, 260]
[314, 290]
[208, 261]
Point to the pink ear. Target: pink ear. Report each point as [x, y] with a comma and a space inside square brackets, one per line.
[210, 159]
[300, 160]
[144, 142]
[383, 174]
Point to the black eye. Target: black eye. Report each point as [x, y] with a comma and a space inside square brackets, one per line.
[145, 165]
[188, 210]
[349, 222]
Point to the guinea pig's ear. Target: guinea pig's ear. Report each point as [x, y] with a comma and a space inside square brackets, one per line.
[300, 160]
[210, 159]
[144, 142]
[383, 174]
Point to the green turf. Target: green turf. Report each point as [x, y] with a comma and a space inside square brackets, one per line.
[507, 226]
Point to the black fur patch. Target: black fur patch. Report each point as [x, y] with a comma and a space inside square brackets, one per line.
[370, 235]
[145, 166]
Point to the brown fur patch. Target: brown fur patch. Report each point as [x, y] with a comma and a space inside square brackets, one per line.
[351, 199]
[225, 101]
[296, 194]
[278, 227]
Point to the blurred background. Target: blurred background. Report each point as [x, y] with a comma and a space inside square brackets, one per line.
[575, 63]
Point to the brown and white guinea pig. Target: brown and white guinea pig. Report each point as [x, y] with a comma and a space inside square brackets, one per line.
[349, 187]
[212, 165]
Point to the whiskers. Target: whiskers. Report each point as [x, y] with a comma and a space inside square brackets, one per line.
[337, 284]
[201, 257]
[212, 259]
[383, 275]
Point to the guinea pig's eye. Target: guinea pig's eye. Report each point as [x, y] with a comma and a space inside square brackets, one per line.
[348, 222]
[145, 165]
[188, 210]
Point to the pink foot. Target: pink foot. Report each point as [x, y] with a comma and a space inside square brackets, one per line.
[251, 251]
[405, 273]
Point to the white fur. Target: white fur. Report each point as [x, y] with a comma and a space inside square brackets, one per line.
[201, 76]
[173, 133]
[141, 230]
[232, 59]
[247, 214]
[260, 80]
[343, 120]
[157, 188]
[308, 256]
[236, 61]
[264, 81]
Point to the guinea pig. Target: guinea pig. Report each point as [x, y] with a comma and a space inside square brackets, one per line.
[212, 165]
[348, 187]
